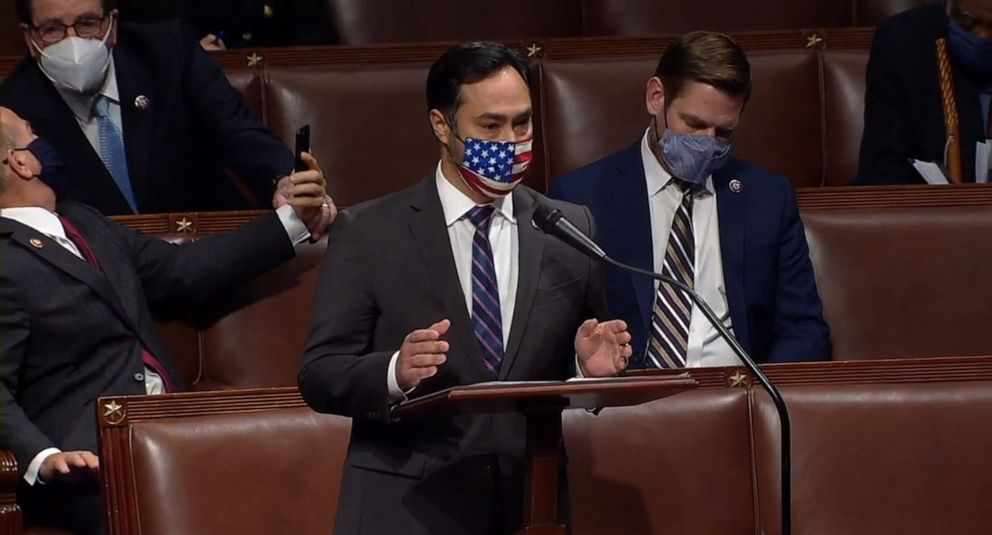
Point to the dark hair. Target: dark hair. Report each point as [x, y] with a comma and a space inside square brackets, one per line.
[467, 64]
[708, 58]
[23, 8]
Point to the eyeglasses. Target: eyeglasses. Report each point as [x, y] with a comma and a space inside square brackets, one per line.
[87, 26]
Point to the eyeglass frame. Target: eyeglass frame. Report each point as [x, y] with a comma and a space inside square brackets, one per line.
[14, 149]
[65, 27]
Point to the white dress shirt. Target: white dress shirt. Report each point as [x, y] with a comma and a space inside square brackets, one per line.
[505, 245]
[48, 224]
[82, 107]
[706, 348]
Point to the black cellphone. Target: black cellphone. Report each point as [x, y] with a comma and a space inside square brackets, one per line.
[302, 145]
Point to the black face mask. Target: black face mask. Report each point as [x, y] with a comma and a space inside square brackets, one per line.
[52, 171]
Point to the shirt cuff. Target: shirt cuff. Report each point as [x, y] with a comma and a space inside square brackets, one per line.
[31, 474]
[578, 369]
[395, 394]
[295, 228]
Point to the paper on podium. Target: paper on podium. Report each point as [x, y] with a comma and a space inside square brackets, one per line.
[522, 396]
[983, 158]
[930, 172]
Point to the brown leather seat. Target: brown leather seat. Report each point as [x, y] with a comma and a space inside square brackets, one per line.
[387, 21]
[595, 107]
[868, 458]
[649, 17]
[844, 113]
[678, 465]
[903, 282]
[246, 462]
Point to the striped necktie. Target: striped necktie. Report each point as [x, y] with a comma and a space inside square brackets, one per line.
[112, 149]
[486, 316]
[672, 311]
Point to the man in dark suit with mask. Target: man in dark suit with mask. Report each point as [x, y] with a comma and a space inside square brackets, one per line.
[904, 114]
[144, 119]
[78, 293]
[676, 202]
[446, 284]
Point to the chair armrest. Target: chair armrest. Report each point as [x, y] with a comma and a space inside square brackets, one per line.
[11, 521]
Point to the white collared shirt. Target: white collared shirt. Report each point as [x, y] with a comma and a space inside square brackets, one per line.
[505, 244]
[48, 223]
[82, 107]
[706, 348]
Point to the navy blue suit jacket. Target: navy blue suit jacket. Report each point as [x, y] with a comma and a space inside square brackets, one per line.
[774, 306]
[195, 127]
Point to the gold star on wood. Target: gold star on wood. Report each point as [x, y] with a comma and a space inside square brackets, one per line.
[813, 40]
[184, 225]
[533, 50]
[739, 378]
[255, 60]
[113, 412]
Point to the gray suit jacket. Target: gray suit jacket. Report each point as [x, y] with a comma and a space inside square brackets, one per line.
[390, 271]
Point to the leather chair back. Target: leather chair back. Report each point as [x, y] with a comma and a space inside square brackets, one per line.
[677, 465]
[903, 282]
[650, 17]
[387, 21]
[844, 113]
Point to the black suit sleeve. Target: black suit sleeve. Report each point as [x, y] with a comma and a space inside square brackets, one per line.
[340, 373]
[800, 334]
[174, 275]
[596, 296]
[243, 143]
[885, 143]
[16, 430]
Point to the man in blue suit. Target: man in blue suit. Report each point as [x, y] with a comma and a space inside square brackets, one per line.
[676, 202]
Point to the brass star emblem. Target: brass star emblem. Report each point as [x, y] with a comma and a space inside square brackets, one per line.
[113, 412]
[739, 378]
[184, 225]
[813, 40]
[533, 50]
[255, 60]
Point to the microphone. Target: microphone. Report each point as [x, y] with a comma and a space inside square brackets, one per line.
[553, 222]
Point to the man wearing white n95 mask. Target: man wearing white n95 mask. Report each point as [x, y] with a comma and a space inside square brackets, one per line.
[144, 119]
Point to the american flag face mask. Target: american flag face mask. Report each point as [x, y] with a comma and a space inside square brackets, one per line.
[494, 168]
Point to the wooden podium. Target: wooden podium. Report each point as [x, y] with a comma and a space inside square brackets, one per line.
[542, 404]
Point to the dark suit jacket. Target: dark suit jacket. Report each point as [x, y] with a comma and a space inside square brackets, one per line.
[70, 333]
[904, 116]
[195, 126]
[390, 271]
[774, 305]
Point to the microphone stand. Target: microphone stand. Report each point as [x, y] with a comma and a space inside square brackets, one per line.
[783, 411]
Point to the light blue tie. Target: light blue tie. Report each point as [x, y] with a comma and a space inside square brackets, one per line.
[112, 149]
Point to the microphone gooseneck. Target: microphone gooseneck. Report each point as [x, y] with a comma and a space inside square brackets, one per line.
[553, 222]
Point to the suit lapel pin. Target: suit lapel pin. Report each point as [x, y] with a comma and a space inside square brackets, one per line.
[36, 243]
[736, 186]
[141, 102]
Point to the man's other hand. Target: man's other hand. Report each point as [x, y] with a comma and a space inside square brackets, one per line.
[69, 466]
[603, 349]
[421, 354]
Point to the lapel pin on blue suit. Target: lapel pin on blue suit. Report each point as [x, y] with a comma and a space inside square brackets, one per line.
[141, 102]
[736, 186]
[36, 243]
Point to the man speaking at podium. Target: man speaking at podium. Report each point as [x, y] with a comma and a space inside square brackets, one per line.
[444, 284]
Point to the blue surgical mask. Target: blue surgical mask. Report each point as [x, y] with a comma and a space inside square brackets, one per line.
[972, 51]
[693, 158]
